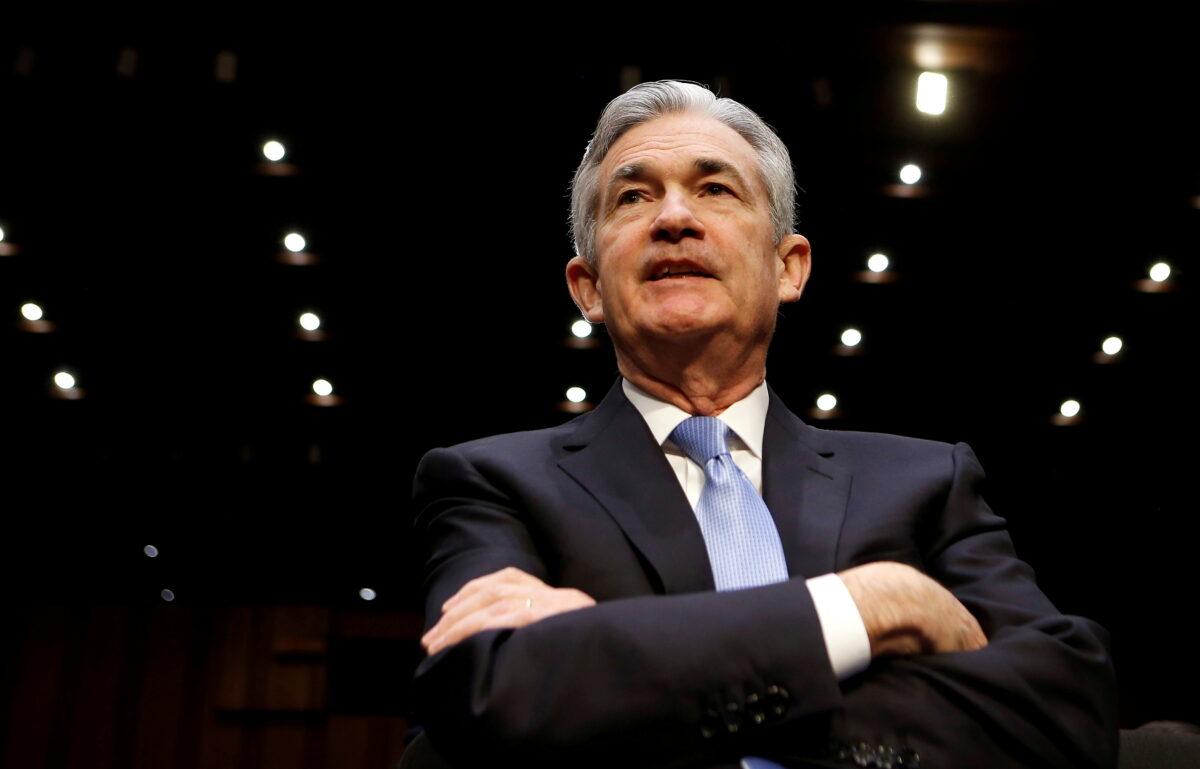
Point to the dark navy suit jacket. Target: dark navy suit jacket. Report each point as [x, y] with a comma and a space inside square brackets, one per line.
[664, 671]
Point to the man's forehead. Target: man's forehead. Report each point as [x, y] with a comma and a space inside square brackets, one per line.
[706, 144]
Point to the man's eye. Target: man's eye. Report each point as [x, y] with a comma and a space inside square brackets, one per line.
[628, 196]
[716, 189]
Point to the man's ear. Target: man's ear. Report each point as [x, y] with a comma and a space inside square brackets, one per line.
[796, 254]
[584, 284]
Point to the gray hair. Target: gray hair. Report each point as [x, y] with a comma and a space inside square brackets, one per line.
[648, 101]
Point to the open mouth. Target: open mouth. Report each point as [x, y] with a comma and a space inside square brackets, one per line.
[670, 273]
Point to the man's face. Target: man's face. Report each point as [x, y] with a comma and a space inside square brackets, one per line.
[684, 239]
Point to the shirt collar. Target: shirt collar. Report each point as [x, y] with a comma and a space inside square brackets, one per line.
[745, 418]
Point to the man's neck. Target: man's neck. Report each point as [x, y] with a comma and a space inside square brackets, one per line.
[694, 387]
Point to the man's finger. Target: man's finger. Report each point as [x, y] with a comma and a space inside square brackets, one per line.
[498, 615]
[483, 597]
[450, 630]
[978, 638]
[507, 575]
[471, 588]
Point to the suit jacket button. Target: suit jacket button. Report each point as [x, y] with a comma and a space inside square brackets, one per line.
[733, 717]
[777, 700]
[711, 723]
[756, 710]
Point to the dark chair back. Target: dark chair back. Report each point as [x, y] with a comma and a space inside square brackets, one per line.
[1160, 745]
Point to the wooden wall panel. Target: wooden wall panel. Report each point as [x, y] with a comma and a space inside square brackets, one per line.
[233, 645]
[38, 688]
[97, 719]
[162, 704]
[362, 741]
[294, 659]
[187, 688]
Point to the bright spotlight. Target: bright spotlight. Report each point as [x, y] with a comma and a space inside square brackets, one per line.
[851, 337]
[1160, 272]
[581, 328]
[877, 263]
[576, 394]
[1112, 345]
[910, 174]
[1069, 408]
[294, 242]
[931, 93]
[31, 311]
[322, 387]
[310, 321]
[273, 151]
[64, 380]
[827, 402]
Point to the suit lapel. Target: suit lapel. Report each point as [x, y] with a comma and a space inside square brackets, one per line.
[614, 457]
[805, 491]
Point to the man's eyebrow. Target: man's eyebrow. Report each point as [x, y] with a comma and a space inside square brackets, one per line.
[630, 172]
[633, 172]
[710, 166]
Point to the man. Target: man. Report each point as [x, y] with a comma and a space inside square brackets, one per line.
[614, 591]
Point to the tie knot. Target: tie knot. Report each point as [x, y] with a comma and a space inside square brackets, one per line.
[702, 438]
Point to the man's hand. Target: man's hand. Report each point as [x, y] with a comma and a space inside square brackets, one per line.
[506, 598]
[906, 612]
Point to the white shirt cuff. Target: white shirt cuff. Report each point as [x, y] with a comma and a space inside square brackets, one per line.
[841, 624]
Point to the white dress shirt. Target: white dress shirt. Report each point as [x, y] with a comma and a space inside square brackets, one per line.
[841, 624]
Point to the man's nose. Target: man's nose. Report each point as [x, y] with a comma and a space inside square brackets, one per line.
[676, 220]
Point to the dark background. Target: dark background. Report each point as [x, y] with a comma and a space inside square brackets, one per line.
[431, 183]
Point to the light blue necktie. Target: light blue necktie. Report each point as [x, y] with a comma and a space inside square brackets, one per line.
[739, 533]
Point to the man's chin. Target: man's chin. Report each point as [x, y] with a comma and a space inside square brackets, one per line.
[678, 327]
[697, 308]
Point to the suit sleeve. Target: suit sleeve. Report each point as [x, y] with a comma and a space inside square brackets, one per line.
[651, 680]
[1042, 693]
[654, 680]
